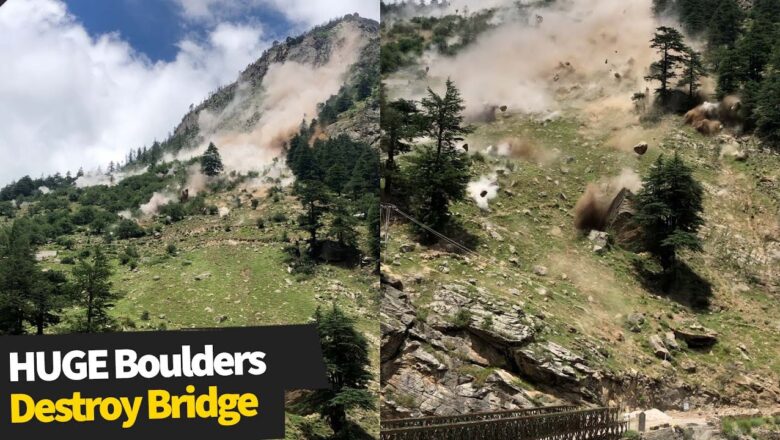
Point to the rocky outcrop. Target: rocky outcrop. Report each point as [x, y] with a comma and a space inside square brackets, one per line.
[472, 354]
[696, 336]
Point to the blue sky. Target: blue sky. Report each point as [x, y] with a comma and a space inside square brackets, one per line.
[92, 79]
[155, 27]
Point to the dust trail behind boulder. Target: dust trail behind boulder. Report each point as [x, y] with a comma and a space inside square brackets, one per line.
[592, 208]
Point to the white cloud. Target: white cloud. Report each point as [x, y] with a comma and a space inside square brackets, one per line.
[306, 13]
[70, 100]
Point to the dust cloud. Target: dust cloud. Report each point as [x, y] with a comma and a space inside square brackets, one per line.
[588, 51]
[592, 208]
[483, 190]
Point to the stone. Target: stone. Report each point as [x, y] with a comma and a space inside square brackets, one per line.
[540, 270]
[600, 240]
[202, 276]
[408, 247]
[670, 341]
[658, 347]
[635, 322]
[221, 318]
[696, 336]
[640, 148]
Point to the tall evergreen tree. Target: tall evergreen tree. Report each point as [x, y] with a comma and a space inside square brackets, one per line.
[693, 70]
[345, 351]
[725, 24]
[94, 289]
[52, 294]
[342, 224]
[211, 161]
[439, 173]
[374, 231]
[19, 277]
[400, 124]
[668, 42]
[767, 112]
[669, 208]
[314, 198]
[443, 118]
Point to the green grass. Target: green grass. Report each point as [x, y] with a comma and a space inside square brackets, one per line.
[600, 291]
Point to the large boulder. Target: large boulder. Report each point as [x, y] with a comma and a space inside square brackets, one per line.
[658, 347]
[696, 336]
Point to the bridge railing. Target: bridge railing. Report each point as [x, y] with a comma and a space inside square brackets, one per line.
[494, 415]
[578, 424]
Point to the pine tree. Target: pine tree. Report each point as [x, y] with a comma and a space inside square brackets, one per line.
[669, 44]
[443, 118]
[52, 294]
[345, 351]
[693, 70]
[439, 173]
[94, 288]
[336, 177]
[365, 175]
[767, 113]
[725, 24]
[374, 231]
[314, 197]
[730, 71]
[19, 277]
[211, 162]
[669, 208]
[342, 224]
[400, 124]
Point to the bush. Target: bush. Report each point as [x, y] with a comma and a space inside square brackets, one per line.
[171, 249]
[278, 217]
[212, 210]
[255, 203]
[174, 211]
[260, 223]
[129, 229]
[462, 318]
[68, 260]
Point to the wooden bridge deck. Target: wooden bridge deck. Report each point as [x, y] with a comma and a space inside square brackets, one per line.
[544, 423]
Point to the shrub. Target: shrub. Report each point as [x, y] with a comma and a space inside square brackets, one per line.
[174, 211]
[129, 229]
[260, 223]
[278, 217]
[171, 249]
[462, 318]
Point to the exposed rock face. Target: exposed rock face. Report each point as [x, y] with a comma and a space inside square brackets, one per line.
[470, 355]
[313, 48]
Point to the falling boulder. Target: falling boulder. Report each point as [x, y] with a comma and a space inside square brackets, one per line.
[640, 148]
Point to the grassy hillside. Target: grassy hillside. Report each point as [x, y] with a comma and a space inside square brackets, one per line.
[585, 298]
